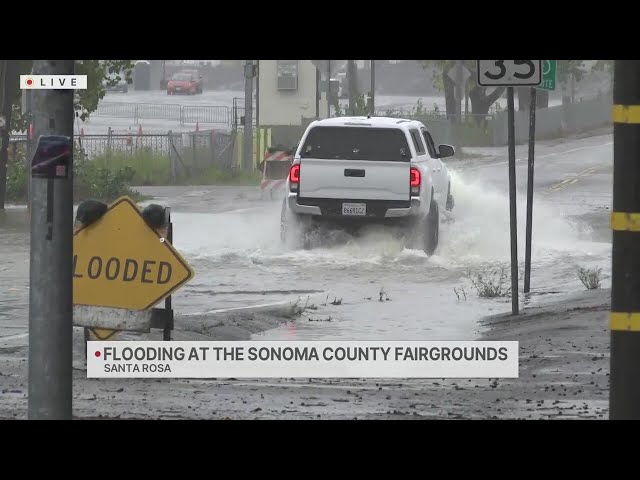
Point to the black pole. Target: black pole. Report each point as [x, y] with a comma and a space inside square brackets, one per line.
[372, 110]
[512, 203]
[532, 141]
[317, 93]
[166, 333]
[624, 400]
[328, 88]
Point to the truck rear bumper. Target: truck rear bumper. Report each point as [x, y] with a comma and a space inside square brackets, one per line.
[332, 208]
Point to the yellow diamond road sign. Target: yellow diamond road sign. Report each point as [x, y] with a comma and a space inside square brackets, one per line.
[122, 262]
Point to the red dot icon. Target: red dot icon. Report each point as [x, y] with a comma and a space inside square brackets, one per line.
[97, 354]
[29, 81]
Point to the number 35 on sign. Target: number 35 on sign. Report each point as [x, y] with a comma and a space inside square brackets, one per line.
[509, 73]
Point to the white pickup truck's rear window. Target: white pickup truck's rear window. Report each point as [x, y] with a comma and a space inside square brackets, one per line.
[356, 143]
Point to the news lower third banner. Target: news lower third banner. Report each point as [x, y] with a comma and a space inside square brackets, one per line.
[302, 359]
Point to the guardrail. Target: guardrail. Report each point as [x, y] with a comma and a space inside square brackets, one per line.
[213, 114]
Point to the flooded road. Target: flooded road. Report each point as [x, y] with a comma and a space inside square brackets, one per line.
[371, 288]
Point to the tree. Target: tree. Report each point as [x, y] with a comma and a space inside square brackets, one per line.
[86, 101]
[565, 68]
[441, 81]
[482, 98]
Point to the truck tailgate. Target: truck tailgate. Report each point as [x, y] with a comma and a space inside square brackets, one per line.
[356, 179]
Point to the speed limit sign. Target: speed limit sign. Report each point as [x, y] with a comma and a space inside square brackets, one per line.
[509, 73]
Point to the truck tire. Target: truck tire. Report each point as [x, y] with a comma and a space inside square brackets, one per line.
[432, 230]
[424, 232]
[291, 232]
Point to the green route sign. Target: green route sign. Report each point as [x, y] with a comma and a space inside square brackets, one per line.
[548, 75]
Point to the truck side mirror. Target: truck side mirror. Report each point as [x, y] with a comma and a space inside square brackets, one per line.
[445, 151]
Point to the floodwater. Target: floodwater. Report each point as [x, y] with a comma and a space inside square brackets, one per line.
[372, 287]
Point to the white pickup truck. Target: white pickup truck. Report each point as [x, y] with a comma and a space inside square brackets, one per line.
[348, 172]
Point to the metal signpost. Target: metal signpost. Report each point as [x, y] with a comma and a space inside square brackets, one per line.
[511, 73]
[548, 83]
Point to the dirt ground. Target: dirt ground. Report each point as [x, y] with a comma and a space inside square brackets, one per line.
[564, 374]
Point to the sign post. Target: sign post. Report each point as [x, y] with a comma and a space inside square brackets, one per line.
[548, 83]
[532, 141]
[511, 73]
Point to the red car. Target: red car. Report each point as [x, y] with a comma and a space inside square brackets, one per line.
[186, 83]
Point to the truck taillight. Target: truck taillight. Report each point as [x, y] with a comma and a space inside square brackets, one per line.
[294, 177]
[415, 179]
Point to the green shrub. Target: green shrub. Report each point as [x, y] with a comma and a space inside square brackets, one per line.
[590, 277]
[148, 168]
[100, 183]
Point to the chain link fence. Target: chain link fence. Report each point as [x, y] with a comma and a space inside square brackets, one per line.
[212, 114]
[185, 154]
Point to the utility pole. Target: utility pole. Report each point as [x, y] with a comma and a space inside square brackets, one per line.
[50, 276]
[249, 73]
[372, 95]
[624, 400]
[351, 78]
[459, 94]
[328, 88]
[257, 76]
[459, 97]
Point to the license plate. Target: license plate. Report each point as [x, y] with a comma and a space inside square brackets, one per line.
[354, 208]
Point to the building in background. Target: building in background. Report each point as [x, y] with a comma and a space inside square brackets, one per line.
[288, 93]
[288, 98]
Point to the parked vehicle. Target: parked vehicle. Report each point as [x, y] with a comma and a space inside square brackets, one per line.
[184, 83]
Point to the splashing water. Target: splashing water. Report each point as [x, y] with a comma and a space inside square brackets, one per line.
[481, 225]
[476, 232]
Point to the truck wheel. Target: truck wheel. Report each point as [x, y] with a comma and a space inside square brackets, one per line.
[432, 231]
[295, 232]
[290, 227]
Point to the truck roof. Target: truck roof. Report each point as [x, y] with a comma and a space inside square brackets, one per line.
[374, 122]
